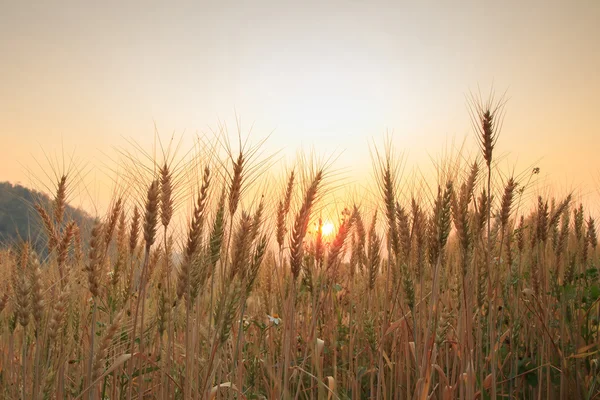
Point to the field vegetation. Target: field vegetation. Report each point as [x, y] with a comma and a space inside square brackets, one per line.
[205, 279]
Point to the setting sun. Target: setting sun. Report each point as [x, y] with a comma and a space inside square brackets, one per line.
[328, 228]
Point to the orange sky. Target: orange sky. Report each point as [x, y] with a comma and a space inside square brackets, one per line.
[334, 75]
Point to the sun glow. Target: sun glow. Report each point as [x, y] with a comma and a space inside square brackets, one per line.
[327, 228]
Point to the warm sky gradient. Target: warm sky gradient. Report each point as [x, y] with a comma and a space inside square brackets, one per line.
[335, 75]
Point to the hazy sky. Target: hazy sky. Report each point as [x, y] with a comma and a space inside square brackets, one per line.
[83, 75]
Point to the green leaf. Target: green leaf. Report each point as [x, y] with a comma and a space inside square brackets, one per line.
[591, 273]
[570, 292]
[594, 292]
[361, 372]
[532, 379]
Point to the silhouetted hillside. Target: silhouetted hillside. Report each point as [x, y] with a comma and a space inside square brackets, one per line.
[20, 220]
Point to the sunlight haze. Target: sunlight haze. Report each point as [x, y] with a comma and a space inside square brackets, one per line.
[331, 75]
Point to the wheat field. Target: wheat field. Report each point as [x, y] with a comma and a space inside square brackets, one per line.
[477, 289]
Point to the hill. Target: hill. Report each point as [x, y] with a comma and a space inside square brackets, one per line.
[19, 219]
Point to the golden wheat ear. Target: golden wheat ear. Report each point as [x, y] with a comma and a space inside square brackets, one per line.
[283, 210]
[93, 266]
[194, 237]
[373, 255]
[60, 201]
[134, 231]
[166, 195]
[151, 214]
[301, 224]
[235, 188]
[21, 285]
